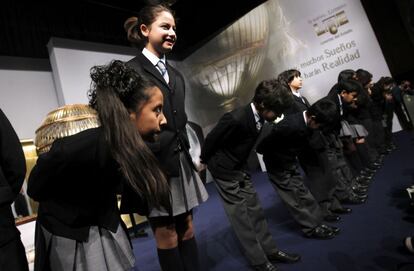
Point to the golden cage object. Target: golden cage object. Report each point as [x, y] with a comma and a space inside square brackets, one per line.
[69, 120]
[64, 121]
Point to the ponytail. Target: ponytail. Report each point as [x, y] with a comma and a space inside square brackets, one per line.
[116, 89]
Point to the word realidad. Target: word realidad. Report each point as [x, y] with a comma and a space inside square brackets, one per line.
[340, 60]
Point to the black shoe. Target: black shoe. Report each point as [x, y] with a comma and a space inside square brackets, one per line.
[368, 171]
[333, 229]
[359, 190]
[283, 257]
[320, 233]
[265, 267]
[332, 218]
[354, 200]
[375, 165]
[364, 182]
[360, 186]
[343, 210]
[364, 197]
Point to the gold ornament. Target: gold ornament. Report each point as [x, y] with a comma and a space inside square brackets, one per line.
[65, 121]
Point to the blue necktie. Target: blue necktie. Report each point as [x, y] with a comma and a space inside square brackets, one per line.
[259, 124]
[163, 70]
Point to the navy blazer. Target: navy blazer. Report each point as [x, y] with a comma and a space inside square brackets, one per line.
[298, 105]
[12, 172]
[227, 147]
[282, 143]
[76, 183]
[173, 137]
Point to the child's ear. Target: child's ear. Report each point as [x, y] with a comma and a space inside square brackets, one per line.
[133, 116]
[144, 30]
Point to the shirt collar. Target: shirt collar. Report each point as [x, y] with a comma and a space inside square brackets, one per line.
[152, 58]
[255, 113]
[305, 118]
[296, 93]
[340, 105]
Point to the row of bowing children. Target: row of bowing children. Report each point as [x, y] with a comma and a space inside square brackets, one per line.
[331, 141]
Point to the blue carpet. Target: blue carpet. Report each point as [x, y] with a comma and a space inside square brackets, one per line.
[370, 239]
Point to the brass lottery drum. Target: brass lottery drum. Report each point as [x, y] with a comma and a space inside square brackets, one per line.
[64, 121]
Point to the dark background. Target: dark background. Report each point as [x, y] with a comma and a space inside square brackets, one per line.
[26, 26]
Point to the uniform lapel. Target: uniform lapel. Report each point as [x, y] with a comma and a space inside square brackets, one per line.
[148, 67]
[172, 76]
[251, 121]
[306, 101]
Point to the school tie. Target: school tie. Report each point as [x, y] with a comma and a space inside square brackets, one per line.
[303, 100]
[163, 70]
[259, 124]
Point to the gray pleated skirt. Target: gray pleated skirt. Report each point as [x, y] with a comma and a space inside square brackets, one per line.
[352, 130]
[104, 251]
[346, 129]
[187, 190]
[360, 130]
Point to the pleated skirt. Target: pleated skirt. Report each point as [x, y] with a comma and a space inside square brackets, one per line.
[187, 190]
[352, 130]
[104, 251]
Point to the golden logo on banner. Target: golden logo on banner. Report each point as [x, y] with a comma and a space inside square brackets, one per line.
[330, 24]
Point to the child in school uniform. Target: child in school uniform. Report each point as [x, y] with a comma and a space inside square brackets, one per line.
[76, 183]
[281, 145]
[225, 151]
[154, 33]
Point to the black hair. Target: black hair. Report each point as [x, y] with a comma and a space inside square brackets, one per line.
[364, 77]
[289, 75]
[346, 75]
[385, 80]
[274, 95]
[116, 91]
[324, 112]
[349, 86]
[147, 15]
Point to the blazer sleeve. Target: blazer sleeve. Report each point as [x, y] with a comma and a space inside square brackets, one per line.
[218, 137]
[44, 174]
[12, 162]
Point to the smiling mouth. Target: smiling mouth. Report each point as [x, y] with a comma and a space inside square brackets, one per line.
[170, 40]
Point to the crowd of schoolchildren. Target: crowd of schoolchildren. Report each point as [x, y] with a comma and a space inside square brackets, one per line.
[319, 158]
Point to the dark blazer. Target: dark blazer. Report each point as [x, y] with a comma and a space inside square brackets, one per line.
[76, 184]
[228, 145]
[173, 137]
[298, 105]
[336, 127]
[12, 172]
[282, 143]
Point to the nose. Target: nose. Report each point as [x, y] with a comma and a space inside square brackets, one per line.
[171, 32]
[163, 120]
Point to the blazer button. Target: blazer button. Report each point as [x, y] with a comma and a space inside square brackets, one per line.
[175, 112]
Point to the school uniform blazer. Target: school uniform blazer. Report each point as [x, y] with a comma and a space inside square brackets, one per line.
[173, 137]
[227, 147]
[75, 184]
[336, 127]
[12, 172]
[298, 105]
[282, 143]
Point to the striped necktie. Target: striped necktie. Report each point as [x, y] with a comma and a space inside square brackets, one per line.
[163, 70]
